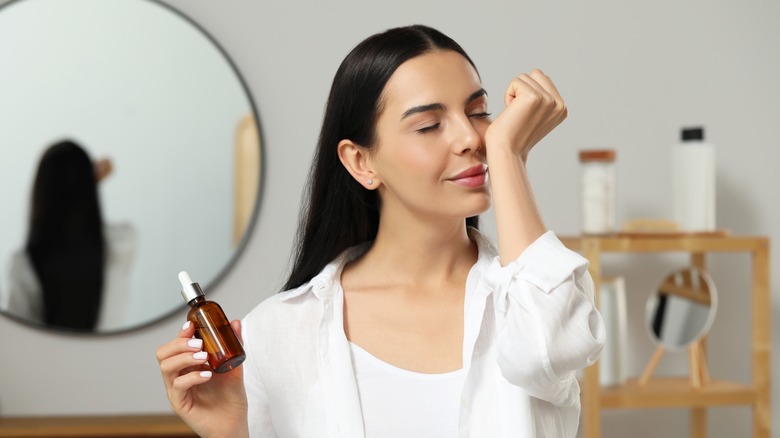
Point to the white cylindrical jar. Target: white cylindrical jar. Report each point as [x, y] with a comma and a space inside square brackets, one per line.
[598, 191]
[693, 177]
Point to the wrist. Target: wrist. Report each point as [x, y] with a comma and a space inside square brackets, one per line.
[503, 154]
[503, 150]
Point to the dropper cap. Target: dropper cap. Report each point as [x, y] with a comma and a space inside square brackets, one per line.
[189, 289]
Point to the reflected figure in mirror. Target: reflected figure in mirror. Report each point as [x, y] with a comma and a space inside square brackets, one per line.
[74, 270]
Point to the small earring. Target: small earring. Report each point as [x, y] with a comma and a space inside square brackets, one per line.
[369, 182]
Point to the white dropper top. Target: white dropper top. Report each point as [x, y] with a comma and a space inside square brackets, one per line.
[185, 279]
[190, 290]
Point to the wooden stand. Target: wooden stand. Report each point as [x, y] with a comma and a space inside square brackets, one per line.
[670, 392]
[700, 375]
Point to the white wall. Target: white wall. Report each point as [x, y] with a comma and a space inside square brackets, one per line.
[632, 76]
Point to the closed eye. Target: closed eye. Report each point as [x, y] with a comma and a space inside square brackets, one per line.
[482, 115]
[430, 128]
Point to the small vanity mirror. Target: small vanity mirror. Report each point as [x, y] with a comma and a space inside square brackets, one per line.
[682, 308]
[154, 103]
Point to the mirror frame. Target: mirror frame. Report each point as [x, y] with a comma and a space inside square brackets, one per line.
[238, 251]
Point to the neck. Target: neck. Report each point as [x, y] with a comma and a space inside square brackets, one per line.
[415, 250]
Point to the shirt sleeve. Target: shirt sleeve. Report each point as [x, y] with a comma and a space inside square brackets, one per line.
[258, 407]
[548, 325]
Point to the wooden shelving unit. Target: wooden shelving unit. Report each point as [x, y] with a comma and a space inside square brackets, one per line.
[680, 393]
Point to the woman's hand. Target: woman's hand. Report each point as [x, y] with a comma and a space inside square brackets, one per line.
[213, 405]
[103, 168]
[533, 109]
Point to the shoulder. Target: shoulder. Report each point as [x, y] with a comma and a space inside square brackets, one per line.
[282, 328]
[121, 238]
[300, 309]
[120, 232]
[283, 307]
[19, 258]
[22, 278]
[20, 266]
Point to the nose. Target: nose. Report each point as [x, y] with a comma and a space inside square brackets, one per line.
[466, 138]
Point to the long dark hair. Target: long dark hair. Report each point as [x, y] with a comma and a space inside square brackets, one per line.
[65, 241]
[337, 211]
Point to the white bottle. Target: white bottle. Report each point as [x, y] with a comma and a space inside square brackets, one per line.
[598, 191]
[693, 179]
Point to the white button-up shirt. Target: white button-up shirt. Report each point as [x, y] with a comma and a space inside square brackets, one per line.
[528, 327]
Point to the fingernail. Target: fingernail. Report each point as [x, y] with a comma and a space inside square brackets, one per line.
[195, 343]
[186, 325]
[200, 355]
[205, 373]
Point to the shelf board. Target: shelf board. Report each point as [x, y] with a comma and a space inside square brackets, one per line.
[96, 426]
[675, 392]
[663, 243]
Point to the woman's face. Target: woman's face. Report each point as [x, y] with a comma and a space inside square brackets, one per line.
[430, 154]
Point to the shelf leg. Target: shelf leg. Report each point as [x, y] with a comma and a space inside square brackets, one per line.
[698, 423]
[762, 417]
[591, 391]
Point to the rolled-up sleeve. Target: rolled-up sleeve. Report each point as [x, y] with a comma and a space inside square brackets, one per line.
[548, 325]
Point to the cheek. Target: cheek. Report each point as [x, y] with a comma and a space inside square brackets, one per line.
[411, 159]
[421, 162]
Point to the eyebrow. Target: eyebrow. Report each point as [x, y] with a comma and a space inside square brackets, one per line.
[437, 106]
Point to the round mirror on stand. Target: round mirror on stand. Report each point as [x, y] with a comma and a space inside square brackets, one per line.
[159, 110]
[679, 313]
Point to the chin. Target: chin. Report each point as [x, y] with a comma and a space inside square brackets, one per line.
[479, 205]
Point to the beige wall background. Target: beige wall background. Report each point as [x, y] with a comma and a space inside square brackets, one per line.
[632, 73]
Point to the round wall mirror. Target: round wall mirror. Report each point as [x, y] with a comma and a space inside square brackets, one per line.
[171, 136]
[682, 308]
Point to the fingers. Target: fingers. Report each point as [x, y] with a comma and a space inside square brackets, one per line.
[186, 381]
[236, 325]
[540, 89]
[192, 356]
[180, 392]
[182, 357]
[548, 85]
[102, 168]
[177, 345]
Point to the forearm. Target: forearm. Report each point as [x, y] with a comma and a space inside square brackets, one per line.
[518, 221]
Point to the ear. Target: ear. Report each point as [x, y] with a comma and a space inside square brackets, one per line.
[357, 161]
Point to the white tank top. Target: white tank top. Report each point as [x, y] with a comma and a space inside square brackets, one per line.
[402, 403]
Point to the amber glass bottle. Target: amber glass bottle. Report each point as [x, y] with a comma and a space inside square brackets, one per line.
[212, 326]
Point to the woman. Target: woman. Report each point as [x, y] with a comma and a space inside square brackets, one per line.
[400, 319]
[73, 272]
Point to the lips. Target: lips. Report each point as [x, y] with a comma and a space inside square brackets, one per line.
[474, 176]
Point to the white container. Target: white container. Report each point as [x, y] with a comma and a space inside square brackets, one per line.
[598, 191]
[612, 306]
[693, 179]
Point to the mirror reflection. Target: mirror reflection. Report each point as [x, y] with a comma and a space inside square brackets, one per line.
[168, 162]
[682, 308]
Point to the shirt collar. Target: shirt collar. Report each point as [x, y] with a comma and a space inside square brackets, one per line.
[323, 285]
